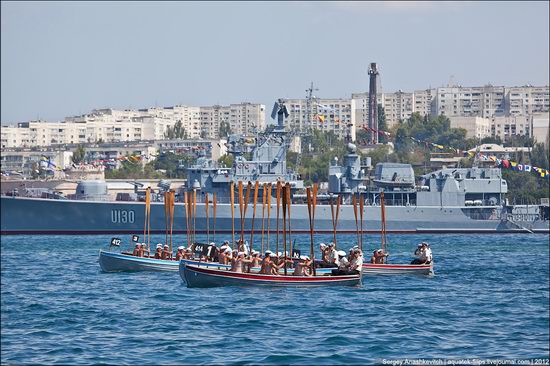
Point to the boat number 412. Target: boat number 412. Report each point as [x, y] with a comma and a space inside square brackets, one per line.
[119, 216]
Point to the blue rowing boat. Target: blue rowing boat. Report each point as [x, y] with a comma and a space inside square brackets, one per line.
[120, 262]
[198, 275]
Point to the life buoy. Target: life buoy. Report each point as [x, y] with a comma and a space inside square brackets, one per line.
[240, 166]
[246, 166]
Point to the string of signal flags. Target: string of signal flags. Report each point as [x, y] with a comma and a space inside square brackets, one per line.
[501, 163]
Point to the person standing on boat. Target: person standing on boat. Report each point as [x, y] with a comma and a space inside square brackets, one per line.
[158, 253]
[332, 256]
[356, 263]
[180, 253]
[427, 253]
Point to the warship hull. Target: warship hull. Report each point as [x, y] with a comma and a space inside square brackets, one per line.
[21, 215]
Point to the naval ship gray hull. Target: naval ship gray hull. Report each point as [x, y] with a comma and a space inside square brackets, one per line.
[20, 215]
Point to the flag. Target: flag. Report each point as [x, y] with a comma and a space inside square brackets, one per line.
[520, 167]
[506, 163]
[527, 168]
[321, 118]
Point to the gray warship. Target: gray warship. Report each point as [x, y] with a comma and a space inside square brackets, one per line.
[461, 200]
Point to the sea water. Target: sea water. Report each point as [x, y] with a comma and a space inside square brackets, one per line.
[489, 298]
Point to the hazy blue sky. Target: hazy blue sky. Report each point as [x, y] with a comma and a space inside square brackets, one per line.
[61, 59]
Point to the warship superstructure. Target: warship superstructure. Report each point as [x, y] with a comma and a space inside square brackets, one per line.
[447, 200]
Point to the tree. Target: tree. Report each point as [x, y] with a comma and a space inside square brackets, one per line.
[224, 129]
[226, 160]
[382, 125]
[176, 132]
[78, 155]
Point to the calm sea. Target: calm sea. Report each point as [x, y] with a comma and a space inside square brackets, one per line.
[488, 299]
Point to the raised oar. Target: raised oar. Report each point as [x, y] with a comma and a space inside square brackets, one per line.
[333, 218]
[284, 223]
[232, 201]
[309, 211]
[240, 190]
[288, 203]
[149, 222]
[361, 207]
[383, 226]
[337, 215]
[246, 201]
[207, 218]
[256, 186]
[268, 212]
[214, 213]
[166, 213]
[189, 196]
[354, 199]
[172, 206]
[314, 205]
[146, 215]
[278, 208]
[263, 215]
[194, 215]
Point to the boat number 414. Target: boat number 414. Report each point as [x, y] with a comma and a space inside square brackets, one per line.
[119, 216]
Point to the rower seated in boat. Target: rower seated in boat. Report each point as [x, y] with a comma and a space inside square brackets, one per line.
[158, 252]
[424, 254]
[166, 254]
[144, 250]
[379, 257]
[180, 253]
[256, 259]
[354, 266]
[188, 253]
[279, 261]
[266, 263]
[137, 250]
[302, 267]
[238, 263]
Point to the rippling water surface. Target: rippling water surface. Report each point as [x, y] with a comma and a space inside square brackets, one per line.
[488, 299]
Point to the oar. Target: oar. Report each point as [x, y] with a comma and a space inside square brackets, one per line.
[189, 219]
[214, 209]
[268, 212]
[354, 199]
[333, 218]
[278, 208]
[310, 212]
[383, 223]
[207, 218]
[337, 215]
[194, 215]
[232, 201]
[166, 213]
[263, 214]
[284, 222]
[361, 207]
[148, 202]
[256, 186]
[172, 206]
[241, 204]
[146, 214]
[246, 201]
[289, 201]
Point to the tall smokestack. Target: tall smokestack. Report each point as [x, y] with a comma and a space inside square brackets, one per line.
[373, 104]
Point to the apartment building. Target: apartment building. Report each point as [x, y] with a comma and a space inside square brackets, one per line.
[110, 125]
[324, 114]
[476, 127]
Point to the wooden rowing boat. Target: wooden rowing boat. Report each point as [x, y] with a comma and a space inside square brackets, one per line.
[199, 275]
[120, 262]
[388, 268]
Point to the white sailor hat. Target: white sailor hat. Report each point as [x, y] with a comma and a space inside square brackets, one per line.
[228, 250]
[419, 245]
[138, 244]
[212, 243]
[341, 253]
[159, 245]
[188, 250]
[303, 257]
[268, 252]
[322, 245]
[279, 254]
[226, 242]
[181, 247]
[356, 247]
[331, 244]
[307, 257]
[240, 254]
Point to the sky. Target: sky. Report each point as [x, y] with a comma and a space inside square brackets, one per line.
[62, 59]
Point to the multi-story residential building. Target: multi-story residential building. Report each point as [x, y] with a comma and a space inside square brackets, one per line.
[457, 101]
[541, 128]
[324, 114]
[109, 125]
[476, 127]
[507, 126]
[526, 100]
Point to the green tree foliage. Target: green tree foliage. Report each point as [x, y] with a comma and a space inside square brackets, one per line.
[176, 132]
[226, 160]
[173, 164]
[78, 155]
[382, 125]
[524, 187]
[224, 129]
[540, 156]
